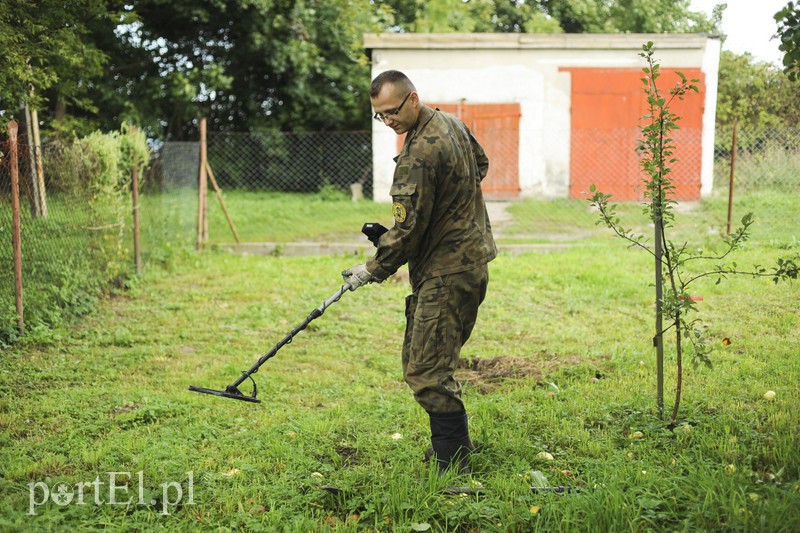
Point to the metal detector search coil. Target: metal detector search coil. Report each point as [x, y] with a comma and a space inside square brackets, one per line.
[236, 394]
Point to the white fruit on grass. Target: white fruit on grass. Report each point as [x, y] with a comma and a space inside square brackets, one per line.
[769, 395]
[544, 455]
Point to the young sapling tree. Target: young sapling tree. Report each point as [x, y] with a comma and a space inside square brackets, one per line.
[674, 304]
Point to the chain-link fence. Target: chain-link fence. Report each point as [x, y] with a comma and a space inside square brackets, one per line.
[280, 187]
[284, 187]
[54, 238]
[277, 187]
[169, 200]
[75, 211]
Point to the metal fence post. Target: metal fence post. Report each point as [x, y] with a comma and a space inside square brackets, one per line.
[16, 238]
[202, 213]
[135, 186]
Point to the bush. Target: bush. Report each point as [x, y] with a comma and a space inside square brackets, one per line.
[76, 253]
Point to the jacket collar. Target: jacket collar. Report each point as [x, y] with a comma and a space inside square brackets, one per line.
[425, 116]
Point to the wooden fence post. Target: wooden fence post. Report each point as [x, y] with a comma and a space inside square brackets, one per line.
[733, 174]
[16, 238]
[202, 212]
[36, 207]
[37, 162]
[137, 256]
[222, 203]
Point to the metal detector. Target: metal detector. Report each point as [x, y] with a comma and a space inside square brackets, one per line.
[373, 231]
[232, 390]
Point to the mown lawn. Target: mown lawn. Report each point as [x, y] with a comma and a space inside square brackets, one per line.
[110, 396]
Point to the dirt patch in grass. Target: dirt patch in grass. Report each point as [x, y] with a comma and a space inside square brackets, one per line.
[127, 408]
[487, 373]
[348, 455]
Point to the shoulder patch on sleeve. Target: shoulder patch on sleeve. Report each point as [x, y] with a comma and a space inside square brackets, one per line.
[399, 212]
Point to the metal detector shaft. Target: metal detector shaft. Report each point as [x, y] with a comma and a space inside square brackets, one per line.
[316, 313]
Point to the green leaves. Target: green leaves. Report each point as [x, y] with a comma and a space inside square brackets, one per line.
[41, 50]
[788, 20]
[786, 269]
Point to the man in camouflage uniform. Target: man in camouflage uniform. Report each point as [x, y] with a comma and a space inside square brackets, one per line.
[441, 229]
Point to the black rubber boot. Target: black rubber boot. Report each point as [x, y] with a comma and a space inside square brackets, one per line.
[450, 440]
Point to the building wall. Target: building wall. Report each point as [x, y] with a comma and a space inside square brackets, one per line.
[533, 71]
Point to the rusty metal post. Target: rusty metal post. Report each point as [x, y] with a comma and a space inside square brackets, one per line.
[16, 237]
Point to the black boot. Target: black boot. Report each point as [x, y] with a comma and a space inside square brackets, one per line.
[450, 440]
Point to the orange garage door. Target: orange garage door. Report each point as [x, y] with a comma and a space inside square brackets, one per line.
[607, 106]
[496, 126]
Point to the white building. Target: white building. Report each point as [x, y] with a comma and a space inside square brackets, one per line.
[555, 112]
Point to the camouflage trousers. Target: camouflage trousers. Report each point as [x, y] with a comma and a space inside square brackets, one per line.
[440, 315]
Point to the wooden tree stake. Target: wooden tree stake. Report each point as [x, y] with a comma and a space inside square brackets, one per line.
[202, 222]
[222, 202]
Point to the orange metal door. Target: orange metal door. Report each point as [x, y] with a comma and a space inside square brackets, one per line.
[496, 127]
[607, 109]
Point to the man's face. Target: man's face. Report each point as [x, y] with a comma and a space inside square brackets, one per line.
[386, 106]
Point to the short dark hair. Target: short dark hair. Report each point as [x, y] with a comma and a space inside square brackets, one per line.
[393, 77]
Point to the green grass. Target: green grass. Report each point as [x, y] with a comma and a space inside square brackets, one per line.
[575, 220]
[286, 217]
[283, 217]
[111, 396]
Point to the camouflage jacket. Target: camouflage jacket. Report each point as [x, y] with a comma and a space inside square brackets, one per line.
[440, 220]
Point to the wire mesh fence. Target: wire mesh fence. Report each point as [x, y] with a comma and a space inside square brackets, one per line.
[169, 199]
[54, 238]
[74, 224]
[319, 186]
[291, 162]
[283, 187]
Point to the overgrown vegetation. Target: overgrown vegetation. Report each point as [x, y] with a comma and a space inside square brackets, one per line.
[80, 250]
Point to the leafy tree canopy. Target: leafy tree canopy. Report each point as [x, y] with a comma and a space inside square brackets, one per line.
[756, 94]
[260, 64]
[45, 44]
[245, 64]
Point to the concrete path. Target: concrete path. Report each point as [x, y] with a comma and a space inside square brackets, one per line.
[498, 215]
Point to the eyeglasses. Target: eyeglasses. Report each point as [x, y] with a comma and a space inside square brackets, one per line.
[382, 117]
